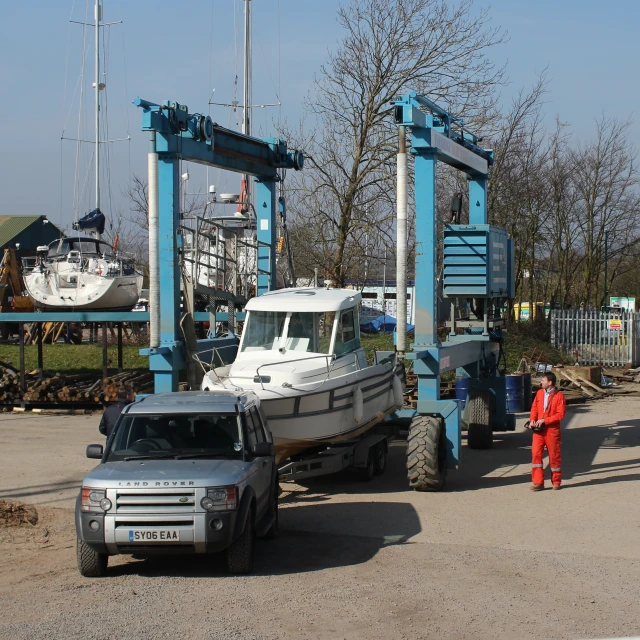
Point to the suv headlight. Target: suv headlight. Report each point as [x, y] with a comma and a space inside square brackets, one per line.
[220, 498]
[95, 499]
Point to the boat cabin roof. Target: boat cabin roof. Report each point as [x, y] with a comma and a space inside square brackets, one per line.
[307, 299]
[85, 244]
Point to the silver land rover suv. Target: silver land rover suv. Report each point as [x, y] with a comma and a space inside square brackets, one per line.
[187, 472]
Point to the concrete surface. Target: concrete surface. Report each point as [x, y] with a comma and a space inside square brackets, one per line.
[486, 558]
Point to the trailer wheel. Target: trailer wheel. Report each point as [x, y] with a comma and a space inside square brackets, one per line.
[380, 458]
[91, 564]
[427, 454]
[367, 473]
[480, 434]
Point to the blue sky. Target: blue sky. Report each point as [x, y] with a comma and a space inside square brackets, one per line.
[165, 50]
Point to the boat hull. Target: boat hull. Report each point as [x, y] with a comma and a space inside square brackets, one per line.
[92, 292]
[340, 409]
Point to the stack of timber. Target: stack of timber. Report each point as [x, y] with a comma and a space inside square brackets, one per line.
[447, 390]
[577, 383]
[68, 389]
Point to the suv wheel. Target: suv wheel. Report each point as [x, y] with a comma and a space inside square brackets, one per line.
[240, 553]
[91, 564]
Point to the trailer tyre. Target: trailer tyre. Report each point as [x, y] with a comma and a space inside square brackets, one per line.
[91, 564]
[480, 434]
[240, 553]
[427, 454]
[367, 473]
[380, 458]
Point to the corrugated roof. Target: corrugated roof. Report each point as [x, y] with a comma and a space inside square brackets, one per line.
[11, 226]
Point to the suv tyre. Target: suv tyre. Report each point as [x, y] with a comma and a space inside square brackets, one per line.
[91, 564]
[240, 553]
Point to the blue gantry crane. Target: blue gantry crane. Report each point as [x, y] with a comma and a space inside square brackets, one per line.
[175, 135]
[476, 276]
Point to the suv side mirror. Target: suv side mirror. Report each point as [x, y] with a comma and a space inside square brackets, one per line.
[262, 449]
[95, 451]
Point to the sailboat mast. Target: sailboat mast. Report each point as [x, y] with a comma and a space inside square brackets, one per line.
[97, 11]
[246, 115]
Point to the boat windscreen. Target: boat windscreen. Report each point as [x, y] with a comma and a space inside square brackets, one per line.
[263, 330]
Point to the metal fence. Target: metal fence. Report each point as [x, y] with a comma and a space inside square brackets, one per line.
[597, 337]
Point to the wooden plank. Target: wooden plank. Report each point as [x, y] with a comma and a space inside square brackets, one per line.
[576, 383]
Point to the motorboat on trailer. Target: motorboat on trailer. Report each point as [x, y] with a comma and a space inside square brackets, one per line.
[81, 272]
[300, 352]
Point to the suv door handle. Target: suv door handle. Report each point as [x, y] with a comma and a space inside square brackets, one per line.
[264, 463]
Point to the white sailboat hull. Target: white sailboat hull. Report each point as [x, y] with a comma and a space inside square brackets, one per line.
[90, 291]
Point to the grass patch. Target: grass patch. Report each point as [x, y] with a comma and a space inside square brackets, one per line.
[73, 358]
[523, 338]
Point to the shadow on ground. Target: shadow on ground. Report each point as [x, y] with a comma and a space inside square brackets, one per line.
[495, 467]
[302, 545]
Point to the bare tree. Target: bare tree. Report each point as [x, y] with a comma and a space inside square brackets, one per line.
[606, 182]
[389, 47]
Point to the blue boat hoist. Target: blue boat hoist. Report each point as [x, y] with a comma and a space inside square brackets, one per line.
[177, 135]
[477, 278]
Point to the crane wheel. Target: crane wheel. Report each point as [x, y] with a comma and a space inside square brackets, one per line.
[427, 454]
[480, 434]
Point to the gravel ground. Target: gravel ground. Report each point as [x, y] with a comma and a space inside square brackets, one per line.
[484, 559]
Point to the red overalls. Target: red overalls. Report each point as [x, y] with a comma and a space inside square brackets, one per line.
[549, 436]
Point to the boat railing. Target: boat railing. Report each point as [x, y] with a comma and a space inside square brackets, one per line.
[219, 261]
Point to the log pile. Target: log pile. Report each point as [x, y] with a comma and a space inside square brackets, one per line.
[447, 390]
[68, 389]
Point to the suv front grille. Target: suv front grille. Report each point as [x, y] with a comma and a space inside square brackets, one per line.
[166, 501]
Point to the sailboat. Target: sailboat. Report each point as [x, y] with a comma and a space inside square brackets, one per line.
[82, 271]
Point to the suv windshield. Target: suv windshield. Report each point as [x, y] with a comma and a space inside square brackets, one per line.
[168, 436]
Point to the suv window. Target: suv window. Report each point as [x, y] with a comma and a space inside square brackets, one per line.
[251, 430]
[260, 436]
[180, 435]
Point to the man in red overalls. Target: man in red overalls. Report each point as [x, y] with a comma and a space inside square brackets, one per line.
[548, 409]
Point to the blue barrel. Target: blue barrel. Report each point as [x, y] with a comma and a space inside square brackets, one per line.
[462, 390]
[514, 389]
[527, 396]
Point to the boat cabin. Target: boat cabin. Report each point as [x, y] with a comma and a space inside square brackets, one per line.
[315, 321]
[82, 246]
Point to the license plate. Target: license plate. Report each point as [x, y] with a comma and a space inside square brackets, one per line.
[154, 535]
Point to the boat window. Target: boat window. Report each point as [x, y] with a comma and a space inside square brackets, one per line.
[58, 248]
[105, 249]
[301, 335]
[325, 329]
[262, 330]
[85, 246]
[347, 338]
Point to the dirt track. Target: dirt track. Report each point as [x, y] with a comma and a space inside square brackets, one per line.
[485, 559]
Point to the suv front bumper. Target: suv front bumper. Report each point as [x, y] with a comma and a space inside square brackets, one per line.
[197, 533]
